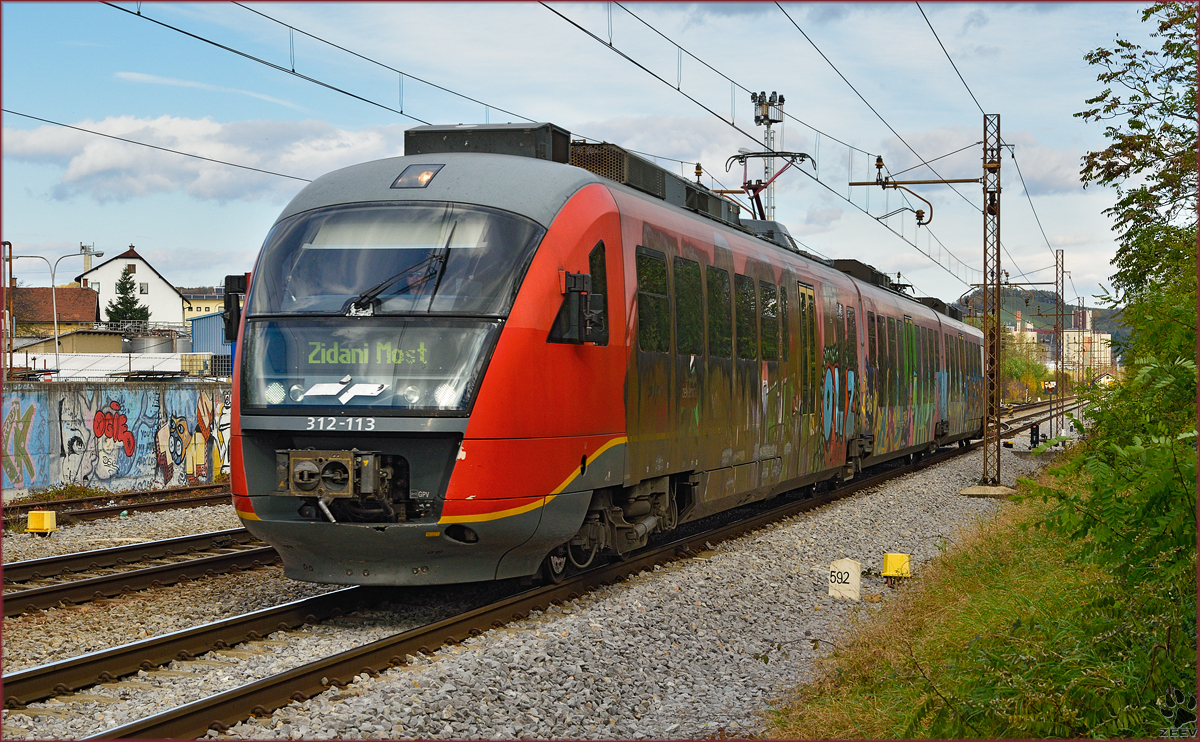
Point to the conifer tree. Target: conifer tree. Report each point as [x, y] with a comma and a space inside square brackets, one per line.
[125, 306]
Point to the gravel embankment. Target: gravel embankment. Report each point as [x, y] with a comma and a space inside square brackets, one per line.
[109, 532]
[673, 653]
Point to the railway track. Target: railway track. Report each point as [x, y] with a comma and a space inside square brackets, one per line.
[37, 584]
[264, 695]
[96, 507]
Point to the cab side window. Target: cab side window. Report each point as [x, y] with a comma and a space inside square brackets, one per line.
[596, 266]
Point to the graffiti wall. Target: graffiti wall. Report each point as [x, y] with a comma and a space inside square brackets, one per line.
[113, 436]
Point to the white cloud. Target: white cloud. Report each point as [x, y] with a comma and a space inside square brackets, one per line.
[823, 216]
[108, 170]
[156, 80]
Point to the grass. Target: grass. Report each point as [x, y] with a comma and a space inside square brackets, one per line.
[873, 685]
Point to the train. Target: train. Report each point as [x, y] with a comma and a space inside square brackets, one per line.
[507, 354]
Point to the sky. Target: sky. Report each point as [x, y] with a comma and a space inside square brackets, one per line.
[110, 70]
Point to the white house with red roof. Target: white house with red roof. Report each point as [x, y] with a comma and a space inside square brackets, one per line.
[150, 288]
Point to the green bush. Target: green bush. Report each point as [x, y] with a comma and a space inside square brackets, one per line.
[1120, 660]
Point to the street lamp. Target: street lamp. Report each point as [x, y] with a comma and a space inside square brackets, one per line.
[83, 250]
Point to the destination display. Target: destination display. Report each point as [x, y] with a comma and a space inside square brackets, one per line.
[386, 363]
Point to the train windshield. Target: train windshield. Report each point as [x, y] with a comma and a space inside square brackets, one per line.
[388, 365]
[395, 258]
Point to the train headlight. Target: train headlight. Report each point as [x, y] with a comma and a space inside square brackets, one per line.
[446, 396]
[296, 392]
[274, 393]
[412, 395]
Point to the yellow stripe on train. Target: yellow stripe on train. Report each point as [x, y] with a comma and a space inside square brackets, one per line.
[536, 503]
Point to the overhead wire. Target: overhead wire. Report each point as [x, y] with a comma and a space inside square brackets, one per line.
[952, 64]
[154, 146]
[378, 63]
[355, 54]
[264, 62]
[752, 137]
[731, 80]
[955, 152]
[427, 82]
[1013, 154]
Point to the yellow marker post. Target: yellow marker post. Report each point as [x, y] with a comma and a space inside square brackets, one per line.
[41, 522]
[895, 566]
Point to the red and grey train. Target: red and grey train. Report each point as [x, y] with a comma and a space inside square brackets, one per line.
[506, 353]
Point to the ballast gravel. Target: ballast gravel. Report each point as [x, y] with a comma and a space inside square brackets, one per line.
[694, 649]
[102, 707]
[106, 533]
[59, 633]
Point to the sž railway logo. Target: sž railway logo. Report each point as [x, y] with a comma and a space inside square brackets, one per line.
[344, 390]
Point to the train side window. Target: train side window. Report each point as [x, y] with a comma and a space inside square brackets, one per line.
[769, 321]
[952, 361]
[960, 360]
[746, 316]
[689, 308]
[597, 267]
[785, 329]
[871, 357]
[654, 306]
[720, 333]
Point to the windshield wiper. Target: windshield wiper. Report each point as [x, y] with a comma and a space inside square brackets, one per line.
[439, 259]
[365, 298]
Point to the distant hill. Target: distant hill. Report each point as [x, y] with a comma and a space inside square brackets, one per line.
[1038, 302]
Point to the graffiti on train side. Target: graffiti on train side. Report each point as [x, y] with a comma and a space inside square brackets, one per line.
[114, 437]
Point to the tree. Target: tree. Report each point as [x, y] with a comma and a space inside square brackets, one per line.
[1149, 104]
[126, 307]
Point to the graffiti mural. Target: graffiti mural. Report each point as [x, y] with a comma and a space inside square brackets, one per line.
[113, 436]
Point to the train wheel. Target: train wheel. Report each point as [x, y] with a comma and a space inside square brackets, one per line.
[554, 566]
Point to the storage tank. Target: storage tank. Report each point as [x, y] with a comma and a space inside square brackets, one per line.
[151, 344]
[183, 344]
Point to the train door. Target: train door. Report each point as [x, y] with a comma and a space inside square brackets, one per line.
[870, 380]
[650, 400]
[747, 386]
[908, 363]
[809, 450]
[851, 401]
[770, 351]
[689, 356]
[718, 394]
[789, 400]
